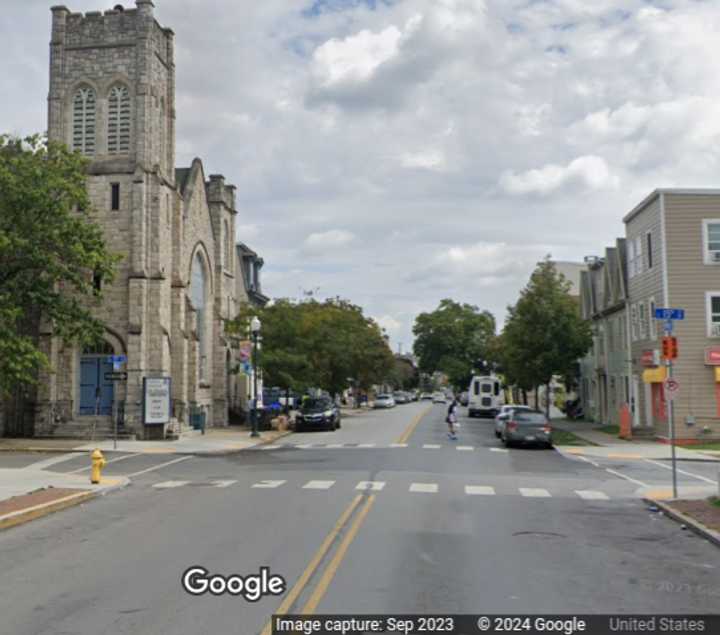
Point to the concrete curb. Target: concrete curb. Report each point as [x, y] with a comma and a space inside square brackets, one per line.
[692, 524]
[22, 516]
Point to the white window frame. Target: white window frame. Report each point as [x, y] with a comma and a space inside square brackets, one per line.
[642, 320]
[638, 254]
[631, 258]
[634, 322]
[709, 295]
[706, 239]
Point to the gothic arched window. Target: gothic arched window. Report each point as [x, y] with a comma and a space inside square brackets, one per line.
[228, 247]
[119, 120]
[198, 296]
[83, 124]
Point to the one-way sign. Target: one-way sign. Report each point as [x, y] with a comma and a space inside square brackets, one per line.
[116, 376]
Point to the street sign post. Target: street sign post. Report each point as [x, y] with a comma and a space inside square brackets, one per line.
[672, 388]
[669, 314]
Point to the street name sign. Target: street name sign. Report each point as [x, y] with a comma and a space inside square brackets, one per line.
[122, 376]
[672, 388]
[669, 314]
[117, 359]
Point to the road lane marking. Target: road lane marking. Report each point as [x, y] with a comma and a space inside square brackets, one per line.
[54, 460]
[425, 488]
[269, 484]
[534, 492]
[592, 495]
[431, 446]
[223, 483]
[318, 484]
[334, 445]
[305, 446]
[334, 565]
[115, 460]
[679, 471]
[624, 456]
[295, 592]
[479, 490]
[170, 484]
[465, 448]
[158, 467]
[498, 450]
[627, 478]
[405, 436]
[398, 445]
[270, 447]
[366, 445]
[374, 486]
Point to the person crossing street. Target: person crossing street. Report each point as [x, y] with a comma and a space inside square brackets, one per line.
[452, 418]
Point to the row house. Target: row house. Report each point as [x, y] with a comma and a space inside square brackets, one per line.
[606, 376]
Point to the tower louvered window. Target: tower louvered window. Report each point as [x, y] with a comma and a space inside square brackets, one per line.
[84, 121]
[119, 120]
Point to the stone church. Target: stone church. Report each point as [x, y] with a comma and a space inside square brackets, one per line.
[112, 97]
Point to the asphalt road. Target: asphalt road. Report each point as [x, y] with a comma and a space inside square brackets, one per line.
[386, 515]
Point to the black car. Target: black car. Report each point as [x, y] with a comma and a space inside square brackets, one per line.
[319, 413]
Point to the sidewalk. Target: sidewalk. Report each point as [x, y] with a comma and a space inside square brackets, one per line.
[609, 446]
[29, 493]
[215, 441]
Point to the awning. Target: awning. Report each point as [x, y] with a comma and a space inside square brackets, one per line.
[717, 373]
[655, 375]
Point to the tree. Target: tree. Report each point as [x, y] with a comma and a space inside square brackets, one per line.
[544, 335]
[53, 258]
[453, 339]
[318, 344]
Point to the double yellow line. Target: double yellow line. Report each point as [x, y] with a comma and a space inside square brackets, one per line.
[334, 564]
[414, 424]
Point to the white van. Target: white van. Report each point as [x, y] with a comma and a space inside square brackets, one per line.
[486, 396]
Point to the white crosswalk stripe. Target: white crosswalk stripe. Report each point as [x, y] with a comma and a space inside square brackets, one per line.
[374, 486]
[270, 447]
[588, 494]
[318, 484]
[479, 490]
[170, 484]
[305, 446]
[366, 445]
[534, 492]
[223, 483]
[269, 484]
[425, 488]
[334, 445]
[465, 448]
[498, 450]
[431, 446]
[398, 445]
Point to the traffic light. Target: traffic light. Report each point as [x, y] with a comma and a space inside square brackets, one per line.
[669, 347]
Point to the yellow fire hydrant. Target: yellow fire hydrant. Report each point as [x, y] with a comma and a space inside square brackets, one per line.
[98, 463]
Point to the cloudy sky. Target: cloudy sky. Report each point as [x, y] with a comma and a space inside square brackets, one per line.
[396, 152]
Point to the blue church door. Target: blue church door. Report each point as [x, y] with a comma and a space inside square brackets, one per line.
[96, 393]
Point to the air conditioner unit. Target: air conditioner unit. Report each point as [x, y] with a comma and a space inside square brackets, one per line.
[715, 256]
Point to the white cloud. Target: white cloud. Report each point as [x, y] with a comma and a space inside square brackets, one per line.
[590, 171]
[390, 324]
[328, 241]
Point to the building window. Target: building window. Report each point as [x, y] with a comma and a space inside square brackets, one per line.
[198, 296]
[115, 196]
[634, 322]
[651, 323]
[712, 299]
[648, 237]
[97, 282]
[83, 126]
[711, 241]
[228, 250]
[119, 120]
[642, 321]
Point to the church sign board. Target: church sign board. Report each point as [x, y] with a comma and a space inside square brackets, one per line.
[156, 400]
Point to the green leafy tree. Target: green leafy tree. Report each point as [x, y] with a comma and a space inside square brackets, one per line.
[52, 254]
[544, 335]
[453, 339]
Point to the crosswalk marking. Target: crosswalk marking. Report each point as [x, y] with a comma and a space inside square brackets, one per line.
[398, 445]
[431, 446]
[466, 448]
[270, 447]
[498, 450]
[534, 492]
[480, 490]
[374, 486]
[334, 445]
[269, 484]
[588, 494]
[366, 445]
[426, 488]
[318, 484]
[223, 483]
[305, 446]
[170, 484]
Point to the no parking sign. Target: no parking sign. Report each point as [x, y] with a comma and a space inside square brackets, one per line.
[672, 387]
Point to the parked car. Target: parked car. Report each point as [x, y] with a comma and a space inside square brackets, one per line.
[527, 427]
[400, 397]
[504, 414]
[426, 396]
[318, 413]
[439, 397]
[384, 401]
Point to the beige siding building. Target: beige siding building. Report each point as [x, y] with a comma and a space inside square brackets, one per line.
[673, 260]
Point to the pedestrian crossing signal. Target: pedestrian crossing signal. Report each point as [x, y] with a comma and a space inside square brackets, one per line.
[669, 347]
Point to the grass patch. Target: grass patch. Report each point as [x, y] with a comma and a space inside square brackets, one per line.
[715, 501]
[713, 445]
[561, 437]
[613, 430]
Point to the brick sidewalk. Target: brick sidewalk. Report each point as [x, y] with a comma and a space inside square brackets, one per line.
[26, 507]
